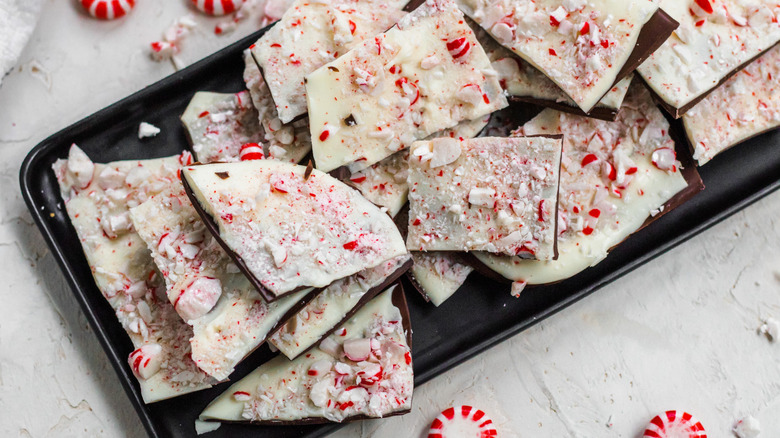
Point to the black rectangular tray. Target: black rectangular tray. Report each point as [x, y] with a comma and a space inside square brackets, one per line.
[481, 315]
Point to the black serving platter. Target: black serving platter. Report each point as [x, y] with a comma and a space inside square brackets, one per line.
[481, 315]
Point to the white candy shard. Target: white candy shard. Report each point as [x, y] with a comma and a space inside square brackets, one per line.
[357, 350]
[146, 130]
[748, 427]
[146, 360]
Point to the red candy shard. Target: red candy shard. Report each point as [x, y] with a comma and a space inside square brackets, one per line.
[705, 6]
[459, 47]
[251, 151]
[589, 159]
[217, 7]
[674, 424]
[462, 421]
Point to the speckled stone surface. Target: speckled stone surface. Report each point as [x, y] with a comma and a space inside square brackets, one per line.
[678, 333]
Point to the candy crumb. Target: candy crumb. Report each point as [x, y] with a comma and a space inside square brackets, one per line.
[146, 130]
[770, 328]
[748, 427]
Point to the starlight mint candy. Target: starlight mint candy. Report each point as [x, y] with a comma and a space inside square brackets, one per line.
[108, 9]
[217, 7]
[674, 424]
[462, 422]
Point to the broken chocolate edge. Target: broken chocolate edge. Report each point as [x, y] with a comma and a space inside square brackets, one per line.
[213, 228]
[367, 296]
[678, 112]
[598, 112]
[459, 258]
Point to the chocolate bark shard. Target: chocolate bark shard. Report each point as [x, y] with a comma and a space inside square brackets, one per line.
[708, 48]
[286, 142]
[747, 105]
[586, 48]
[486, 194]
[311, 34]
[285, 232]
[615, 177]
[335, 305]
[384, 183]
[218, 124]
[525, 83]
[438, 275]
[321, 386]
[426, 74]
[228, 316]
[97, 198]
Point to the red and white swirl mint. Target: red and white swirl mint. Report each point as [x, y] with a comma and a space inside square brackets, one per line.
[217, 7]
[251, 151]
[107, 9]
[675, 424]
[462, 422]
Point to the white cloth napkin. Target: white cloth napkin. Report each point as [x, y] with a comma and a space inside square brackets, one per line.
[17, 22]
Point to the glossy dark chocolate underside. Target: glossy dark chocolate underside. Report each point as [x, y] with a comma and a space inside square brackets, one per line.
[598, 112]
[679, 112]
[399, 301]
[368, 296]
[213, 228]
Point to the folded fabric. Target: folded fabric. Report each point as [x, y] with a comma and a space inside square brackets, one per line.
[17, 22]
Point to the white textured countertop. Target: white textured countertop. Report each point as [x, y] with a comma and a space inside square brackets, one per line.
[678, 333]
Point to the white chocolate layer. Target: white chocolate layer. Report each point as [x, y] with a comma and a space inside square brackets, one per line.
[330, 307]
[523, 80]
[311, 34]
[219, 124]
[439, 274]
[708, 46]
[326, 384]
[602, 202]
[286, 142]
[399, 87]
[486, 194]
[384, 183]
[290, 231]
[580, 45]
[232, 320]
[97, 198]
[746, 105]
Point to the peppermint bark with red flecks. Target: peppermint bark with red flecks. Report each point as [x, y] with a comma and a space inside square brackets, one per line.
[439, 274]
[328, 310]
[98, 198]
[715, 38]
[746, 105]
[286, 142]
[522, 80]
[219, 124]
[486, 194]
[364, 369]
[228, 316]
[614, 176]
[580, 45]
[427, 74]
[311, 34]
[384, 183]
[290, 228]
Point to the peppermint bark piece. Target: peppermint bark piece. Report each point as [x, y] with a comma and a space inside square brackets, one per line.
[486, 194]
[438, 275]
[524, 83]
[715, 39]
[288, 227]
[311, 34]
[335, 305]
[218, 124]
[97, 198]
[228, 316]
[384, 183]
[615, 176]
[747, 105]
[424, 75]
[362, 371]
[286, 142]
